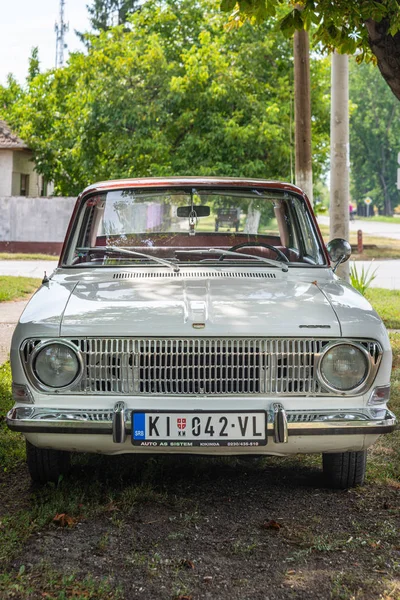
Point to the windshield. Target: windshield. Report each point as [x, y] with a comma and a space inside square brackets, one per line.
[184, 225]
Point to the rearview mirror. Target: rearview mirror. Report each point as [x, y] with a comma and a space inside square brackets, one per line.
[339, 251]
[196, 211]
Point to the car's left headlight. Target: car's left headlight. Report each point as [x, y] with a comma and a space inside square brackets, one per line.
[344, 367]
[56, 364]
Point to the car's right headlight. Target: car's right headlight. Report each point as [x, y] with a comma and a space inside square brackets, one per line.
[344, 367]
[56, 364]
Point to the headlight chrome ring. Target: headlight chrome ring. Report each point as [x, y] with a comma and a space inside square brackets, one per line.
[35, 355]
[360, 383]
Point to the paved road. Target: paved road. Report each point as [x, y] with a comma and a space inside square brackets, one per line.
[27, 268]
[9, 315]
[387, 272]
[386, 230]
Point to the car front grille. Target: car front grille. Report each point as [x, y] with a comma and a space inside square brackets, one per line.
[199, 366]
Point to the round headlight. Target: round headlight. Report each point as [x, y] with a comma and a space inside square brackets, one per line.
[56, 365]
[344, 367]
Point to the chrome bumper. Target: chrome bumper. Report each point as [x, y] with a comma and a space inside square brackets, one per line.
[281, 424]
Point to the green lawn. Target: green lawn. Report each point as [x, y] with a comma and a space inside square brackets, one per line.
[19, 256]
[387, 305]
[17, 288]
[380, 219]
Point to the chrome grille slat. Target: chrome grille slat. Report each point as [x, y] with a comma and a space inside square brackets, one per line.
[200, 366]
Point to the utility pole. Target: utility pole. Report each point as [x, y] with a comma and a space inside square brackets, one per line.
[60, 28]
[339, 194]
[302, 112]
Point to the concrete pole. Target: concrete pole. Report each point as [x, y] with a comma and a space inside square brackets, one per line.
[302, 112]
[339, 193]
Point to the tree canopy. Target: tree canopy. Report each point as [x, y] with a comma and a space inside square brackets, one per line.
[173, 94]
[350, 26]
[374, 138]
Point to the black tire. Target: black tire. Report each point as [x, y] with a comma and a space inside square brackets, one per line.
[345, 470]
[46, 465]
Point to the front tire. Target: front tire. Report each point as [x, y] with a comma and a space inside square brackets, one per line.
[344, 470]
[46, 465]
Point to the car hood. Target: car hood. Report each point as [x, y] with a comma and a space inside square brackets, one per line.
[223, 306]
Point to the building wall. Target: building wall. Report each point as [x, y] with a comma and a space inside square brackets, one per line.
[34, 224]
[6, 169]
[23, 164]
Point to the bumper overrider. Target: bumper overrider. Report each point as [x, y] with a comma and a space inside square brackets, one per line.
[280, 423]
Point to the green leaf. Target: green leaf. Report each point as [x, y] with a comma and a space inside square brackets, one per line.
[228, 5]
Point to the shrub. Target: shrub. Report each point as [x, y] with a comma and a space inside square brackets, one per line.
[361, 280]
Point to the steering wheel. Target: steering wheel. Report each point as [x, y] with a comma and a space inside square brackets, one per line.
[257, 244]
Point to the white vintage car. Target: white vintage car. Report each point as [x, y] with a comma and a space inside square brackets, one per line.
[161, 333]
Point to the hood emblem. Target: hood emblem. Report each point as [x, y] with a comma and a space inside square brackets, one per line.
[198, 325]
[314, 326]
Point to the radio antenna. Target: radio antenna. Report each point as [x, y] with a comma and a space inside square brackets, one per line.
[60, 28]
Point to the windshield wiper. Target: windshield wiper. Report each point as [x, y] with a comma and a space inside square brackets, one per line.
[117, 250]
[269, 261]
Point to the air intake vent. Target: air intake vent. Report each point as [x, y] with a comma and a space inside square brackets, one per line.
[195, 275]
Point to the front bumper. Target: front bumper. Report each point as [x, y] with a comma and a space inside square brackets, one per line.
[281, 424]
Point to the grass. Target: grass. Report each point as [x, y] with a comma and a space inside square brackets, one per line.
[19, 256]
[54, 586]
[387, 305]
[381, 219]
[17, 288]
[384, 456]
[12, 450]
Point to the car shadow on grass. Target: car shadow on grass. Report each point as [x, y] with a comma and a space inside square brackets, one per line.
[170, 527]
[188, 472]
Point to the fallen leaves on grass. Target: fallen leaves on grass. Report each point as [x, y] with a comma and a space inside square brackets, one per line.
[186, 563]
[273, 525]
[65, 520]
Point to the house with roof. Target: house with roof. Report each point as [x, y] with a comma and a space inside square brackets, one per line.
[17, 168]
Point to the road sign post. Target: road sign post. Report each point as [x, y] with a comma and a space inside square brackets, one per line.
[368, 202]
[360, 245]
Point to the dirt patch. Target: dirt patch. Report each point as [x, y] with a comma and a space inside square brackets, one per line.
[15, 491]
[179, 527]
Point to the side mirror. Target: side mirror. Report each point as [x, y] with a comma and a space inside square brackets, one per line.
[339, 251]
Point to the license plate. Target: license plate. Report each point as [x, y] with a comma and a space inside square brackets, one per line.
[208, 429]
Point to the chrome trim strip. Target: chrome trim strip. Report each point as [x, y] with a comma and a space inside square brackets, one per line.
[41, 420]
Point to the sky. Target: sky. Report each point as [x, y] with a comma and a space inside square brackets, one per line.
[29, 23]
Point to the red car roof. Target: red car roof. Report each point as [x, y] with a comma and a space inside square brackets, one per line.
[189, 181]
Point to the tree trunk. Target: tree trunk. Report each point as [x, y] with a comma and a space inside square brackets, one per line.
[387, 203]
[302, 106]
[386, 48]
[339, 184]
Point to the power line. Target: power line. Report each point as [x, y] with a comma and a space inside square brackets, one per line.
[60, 28]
